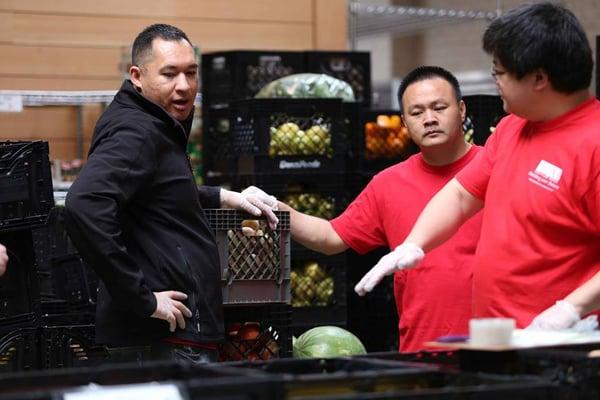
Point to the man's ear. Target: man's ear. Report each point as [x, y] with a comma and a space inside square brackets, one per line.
[540, 79]
[135, 73]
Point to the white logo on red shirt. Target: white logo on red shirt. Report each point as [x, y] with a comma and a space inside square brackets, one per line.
[546, 175]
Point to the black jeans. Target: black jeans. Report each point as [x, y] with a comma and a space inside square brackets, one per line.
[162, 352]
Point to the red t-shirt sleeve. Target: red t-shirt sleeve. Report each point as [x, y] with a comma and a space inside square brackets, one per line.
[475, 176]
[360, 225]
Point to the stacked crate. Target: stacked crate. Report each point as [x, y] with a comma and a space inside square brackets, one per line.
[47, 294]
[255, 282]
[226, 77]
[294, 149]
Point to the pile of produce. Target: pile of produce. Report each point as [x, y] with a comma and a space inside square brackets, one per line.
[327, 341]
[312, 204]
[385, 138]
[311, 285]
[299, 86]
[289, 139]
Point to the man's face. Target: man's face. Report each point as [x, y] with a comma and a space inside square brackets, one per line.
[168, 76]
[431, 113]
[514, 92]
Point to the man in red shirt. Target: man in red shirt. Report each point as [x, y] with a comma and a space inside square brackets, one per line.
[538, 258]
[435, 298]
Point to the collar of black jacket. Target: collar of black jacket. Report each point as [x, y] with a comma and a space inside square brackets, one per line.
[132, 95]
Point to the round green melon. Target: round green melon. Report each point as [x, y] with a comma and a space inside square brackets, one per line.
[326, 342]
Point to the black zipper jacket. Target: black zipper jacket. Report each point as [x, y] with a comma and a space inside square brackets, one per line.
[136, 216]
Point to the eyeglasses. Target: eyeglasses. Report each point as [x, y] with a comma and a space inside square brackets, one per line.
[496, 73]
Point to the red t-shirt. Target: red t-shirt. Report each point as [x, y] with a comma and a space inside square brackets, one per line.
[434, 298]
[541, 220]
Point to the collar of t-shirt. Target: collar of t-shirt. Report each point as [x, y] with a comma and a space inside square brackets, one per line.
[569, 117]
[453, 167]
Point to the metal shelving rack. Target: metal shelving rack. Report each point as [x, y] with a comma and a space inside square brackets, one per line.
[369, 19]
[35, 98]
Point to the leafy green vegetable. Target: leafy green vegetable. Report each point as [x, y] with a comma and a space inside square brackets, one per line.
[307, 85]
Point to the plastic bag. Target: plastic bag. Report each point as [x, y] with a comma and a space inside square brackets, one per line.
[300, 86]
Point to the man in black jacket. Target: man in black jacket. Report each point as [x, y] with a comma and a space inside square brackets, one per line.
[136, 215]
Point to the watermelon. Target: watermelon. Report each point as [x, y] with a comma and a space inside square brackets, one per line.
[326, 342]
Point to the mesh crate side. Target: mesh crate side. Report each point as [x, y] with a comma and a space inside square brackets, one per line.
[19, 289]
[483, 113]
[26, 195]
[19, 350]
[254, 269]
[288, 136]
[234, 75]
[274, 339]
[353, 67]
[70, 346]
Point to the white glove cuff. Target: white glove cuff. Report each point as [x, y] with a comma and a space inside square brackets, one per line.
[413, 248]
[569, 308]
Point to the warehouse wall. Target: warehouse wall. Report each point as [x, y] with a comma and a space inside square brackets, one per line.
[82, 45]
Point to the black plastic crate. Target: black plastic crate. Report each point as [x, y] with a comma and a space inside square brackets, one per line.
[382, 141]
[352, 67]
[217, 161]
[236, 75]
[19, 350]
[373, 318]
[483, 113]
[360, 378]
[283, 136]
[254, 269]
[318, 290]
[76, 282]
[445, 358]
[193, 381]
[70, 346]
[25, 184]
[448, 386]
[322, 196]
[257, 333]
[19, 290]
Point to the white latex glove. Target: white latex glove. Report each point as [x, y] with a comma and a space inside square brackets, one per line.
[253, 201]
[405, 256]
[561, 315]
[170, 308]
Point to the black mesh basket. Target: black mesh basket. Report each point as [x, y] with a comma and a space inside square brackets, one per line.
[483, 114]
[254, 269]
[25, 185]
[283, 136]
[257, 332]
[19, 350]
[236, 75]
[352, 67]
[70, 346]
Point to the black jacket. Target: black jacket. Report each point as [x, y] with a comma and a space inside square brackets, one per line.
[136, 216]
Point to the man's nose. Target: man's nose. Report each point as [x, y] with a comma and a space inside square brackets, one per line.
[182, 83]
[429, 117]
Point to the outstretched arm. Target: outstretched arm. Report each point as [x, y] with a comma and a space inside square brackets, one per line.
[439, 220]
[314, 233]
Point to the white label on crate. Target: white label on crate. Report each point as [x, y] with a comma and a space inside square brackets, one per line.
[11, 103]
[302, 164]
[147, 391]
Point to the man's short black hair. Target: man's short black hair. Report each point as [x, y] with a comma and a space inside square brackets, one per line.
[142, 45]
[542, 36]
[428, 72]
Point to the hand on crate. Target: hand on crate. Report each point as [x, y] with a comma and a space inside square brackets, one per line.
[252, 200]
[170, 308]
[405, 256]
[3, 259]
